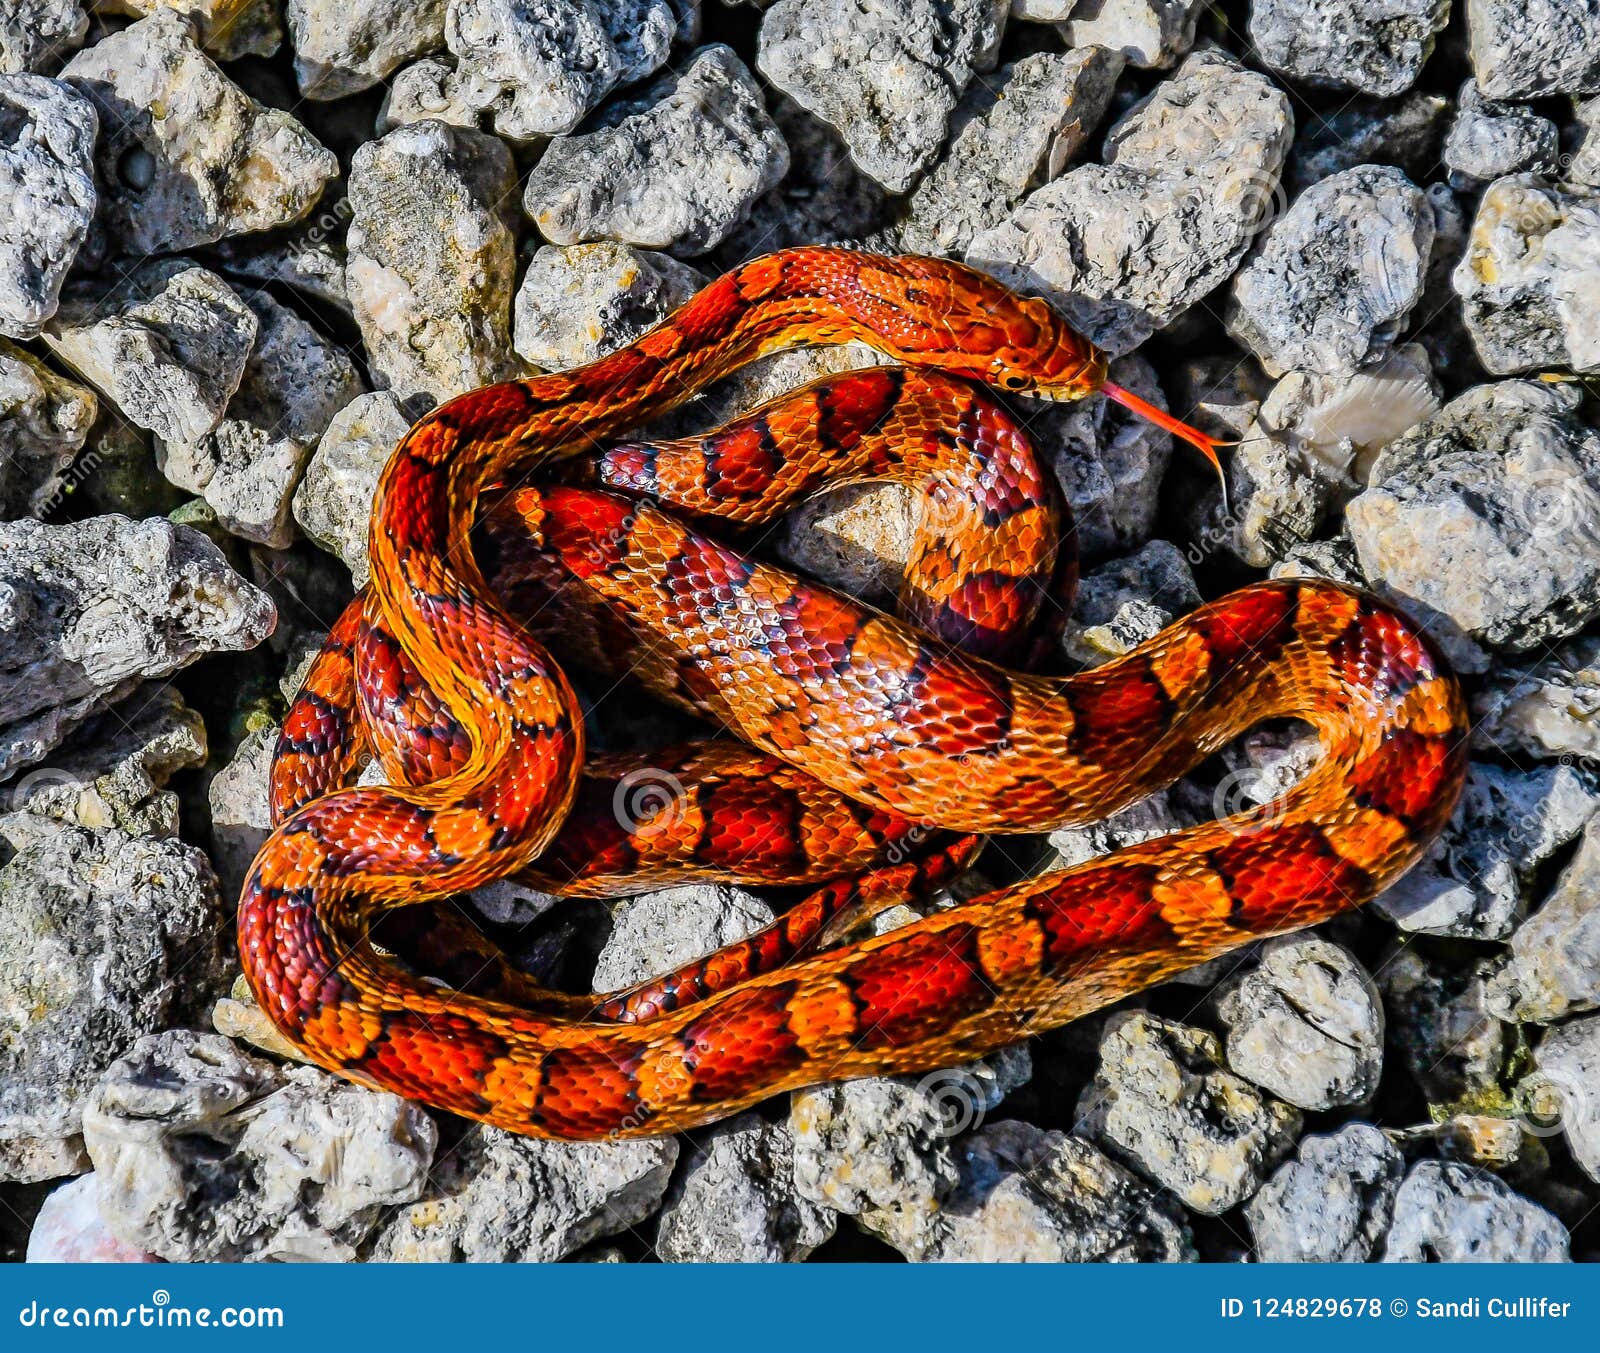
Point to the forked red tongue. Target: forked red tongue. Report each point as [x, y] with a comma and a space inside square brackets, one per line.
[1207, 446]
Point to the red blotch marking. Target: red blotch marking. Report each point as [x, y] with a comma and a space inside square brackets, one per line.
[589, 531]
[1278, 877]
[1407, 775]
[922, 984]
[742, 1044]
[1253, 623]
[585, 1092]
[441, 1058]
[1111, 906]
[740, 461]
[752, 826]
[1381, 652]
[1125, 704]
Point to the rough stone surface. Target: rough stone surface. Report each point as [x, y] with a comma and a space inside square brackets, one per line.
[226, 29]
[44, 422]
[1148, 33]
[736, 1202]
[1011, 133]
[1439, 1023]
[1549, 709]
[1332, 1203]
[1490, 139]
[1565, 1083]
[1553, 969]
[295, 1164]
[1406, 132]
[241, 807]
[38, 35]
[1332, 282]
[585, 301]
[343, 48]
[89, 610]
[676, 169]
[70, 1230]
[1377, 48]
[657, 931]
[47, 137]
[1446, 1213]
[334, 501]
[104, 937]
[1122, 603]
[886, 73]
[499, 1198]
[167, 345]
[1531, 48]
[1306, 1025]
[1473, 882]
[1530, 279]
[1162, 1101]
[214, 163]
[1482, 520]
[1190, 175]
[246, 469]
[432, 259]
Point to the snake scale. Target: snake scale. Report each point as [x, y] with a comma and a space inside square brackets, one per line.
[872, 752]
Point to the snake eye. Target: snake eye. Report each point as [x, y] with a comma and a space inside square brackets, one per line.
[1015, 381]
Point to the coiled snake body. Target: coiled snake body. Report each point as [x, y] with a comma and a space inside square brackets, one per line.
[862, 732]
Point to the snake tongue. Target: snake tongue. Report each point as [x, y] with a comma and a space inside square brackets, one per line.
[1207, 446]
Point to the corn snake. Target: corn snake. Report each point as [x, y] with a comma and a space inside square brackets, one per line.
[884, 715]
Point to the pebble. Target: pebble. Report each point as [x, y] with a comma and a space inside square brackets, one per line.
[736, 1202]
[1331, 283]
[1450, 1043]
[246, 469]
[1407, 132]
[1332, 1203]
[886, 74]
[1490, 139]
[167, 346]
[1152, 34]
[47, 175]
[44, 421]
[1448, 1213]
[1480, 521]
[499, 1198]
[1305, 1025]
[1121, 604]
[1011, 133]
[1163, 1101]
[293, 1163]
[432, 259]
[1378, 49]
[1568, 1062]
[333, 502]
[37, 35]
[1548, 710]
[1523, 49]
[214, 163]
[657, 931]
[91, 609]
[104, 937]
[1190, 175]
[69, 1229]
[344, 46]
[226, 29]
[677, 169]
[1530, 275]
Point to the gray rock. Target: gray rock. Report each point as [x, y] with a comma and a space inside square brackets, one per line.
[214, 163]
[1122, 603]
[1331, 1204]
[1406, 132]
[247, 468]
[241, 814]
[1126, 247]
[1306, 1025]
[1376, 48]
[657, 931]
[167, 345]
[1530, 275]
[1148, 33]
[344, 46]
[226, 29]
[1142, 821]
[886, 74]
[583, 302]
[676, 169]
[1025, 1195]
[736, 1202]
[47, 136]
[1446, 1213]
[1473, 882]
[104, 937]
[112, 773]
[1331, 283]
[1548, 710]
[301, 259]
[1439, 1022]
[38, 35]
[884, 1149]
[1566, 1081]
[1011, 133]
[44, 421]
[1553, 969]
[1523, 49]
[1490, 139]
[538, 67]
[1162, 1101]
[89, 610]
[500, 1198]
[1583, 165]
[334, 501]
[70, 1230]
[432, 259]
[292, 1162]
[430, 90]
[1332, 559]
[1481, 520]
